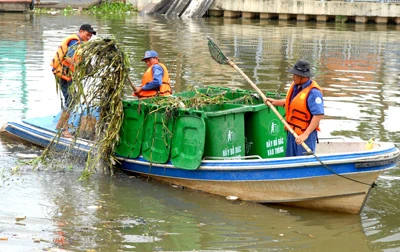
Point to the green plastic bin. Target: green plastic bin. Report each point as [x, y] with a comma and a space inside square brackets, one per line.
[157, 135]
[130, 135]
[265, 135]
[225, 135]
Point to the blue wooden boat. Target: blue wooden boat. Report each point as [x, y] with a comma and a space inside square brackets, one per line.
[338, 177]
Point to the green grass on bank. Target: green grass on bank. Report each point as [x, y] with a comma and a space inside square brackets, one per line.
[110, 7]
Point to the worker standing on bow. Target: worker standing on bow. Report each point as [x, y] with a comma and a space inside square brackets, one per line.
[63, 66]
[155, 80]
[304, 106]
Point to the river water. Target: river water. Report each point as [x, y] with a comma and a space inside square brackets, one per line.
[356, 65]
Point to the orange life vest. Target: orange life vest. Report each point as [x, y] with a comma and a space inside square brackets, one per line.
[61, 67]
[298, 115]
[165, 88]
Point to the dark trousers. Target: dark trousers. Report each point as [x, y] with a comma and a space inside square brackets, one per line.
[66, 102]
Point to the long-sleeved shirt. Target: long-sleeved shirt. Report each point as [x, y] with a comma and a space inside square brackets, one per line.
[155, 84]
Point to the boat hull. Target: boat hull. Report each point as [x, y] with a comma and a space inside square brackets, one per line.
[331, 193]
[323, 190]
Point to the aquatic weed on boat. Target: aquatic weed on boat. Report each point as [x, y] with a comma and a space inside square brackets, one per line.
[97, 92]
[99, 82]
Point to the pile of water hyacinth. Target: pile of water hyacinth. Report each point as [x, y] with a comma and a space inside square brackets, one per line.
[98, 85]
[97, 91]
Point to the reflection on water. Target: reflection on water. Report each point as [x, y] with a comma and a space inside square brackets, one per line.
[122, 213]
[356, 65]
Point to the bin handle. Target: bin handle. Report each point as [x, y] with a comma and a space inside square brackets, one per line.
[220, 58]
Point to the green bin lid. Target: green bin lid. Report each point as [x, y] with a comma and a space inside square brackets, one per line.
[157, 136]
[188, 142]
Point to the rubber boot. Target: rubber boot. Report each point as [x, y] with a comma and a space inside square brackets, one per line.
[63, 124]
[63, 121]
[87, 127]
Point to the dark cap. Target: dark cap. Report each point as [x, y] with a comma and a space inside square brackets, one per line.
[88, 27]
[301, 68]
[150, 54]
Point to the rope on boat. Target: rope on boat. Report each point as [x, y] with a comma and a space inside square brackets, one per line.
[345, 177]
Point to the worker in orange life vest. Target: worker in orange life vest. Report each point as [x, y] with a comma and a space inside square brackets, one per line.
[63, 66]
[155, 80]
[304, 106]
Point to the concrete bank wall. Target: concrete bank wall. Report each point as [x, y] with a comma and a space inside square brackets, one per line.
[310, 7]
[303, 10]
[307, 10]
[15, 5]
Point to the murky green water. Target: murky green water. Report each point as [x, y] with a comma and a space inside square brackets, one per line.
[356, 65]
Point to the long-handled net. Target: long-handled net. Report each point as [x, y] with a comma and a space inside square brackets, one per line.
[220, 58]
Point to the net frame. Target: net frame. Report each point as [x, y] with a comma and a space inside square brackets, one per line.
[216, 53]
